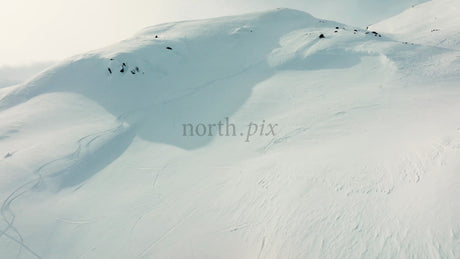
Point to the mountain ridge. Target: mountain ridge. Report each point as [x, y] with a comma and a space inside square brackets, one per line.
[94, 161]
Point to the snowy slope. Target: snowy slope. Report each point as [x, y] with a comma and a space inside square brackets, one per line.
[11, 75]
[435, 23]
[364, 162]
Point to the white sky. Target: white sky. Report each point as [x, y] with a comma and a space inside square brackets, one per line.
[40, 30]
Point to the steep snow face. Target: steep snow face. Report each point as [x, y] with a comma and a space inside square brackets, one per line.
[363, 160]
[435, 23]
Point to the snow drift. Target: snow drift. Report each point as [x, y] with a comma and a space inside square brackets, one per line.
[364, 162]
[434, 23]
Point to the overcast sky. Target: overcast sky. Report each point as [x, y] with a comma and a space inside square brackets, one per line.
[32, 30]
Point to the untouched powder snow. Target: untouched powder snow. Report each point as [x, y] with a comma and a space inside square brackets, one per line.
[435, 23]
[12, 75]
[364, 161]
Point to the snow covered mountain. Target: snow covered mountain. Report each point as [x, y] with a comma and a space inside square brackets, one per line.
[362, 162]
[435, 23]
[11, 75]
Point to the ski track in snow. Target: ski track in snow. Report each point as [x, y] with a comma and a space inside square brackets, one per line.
[82, 144]
[349, 203]
[168, 232]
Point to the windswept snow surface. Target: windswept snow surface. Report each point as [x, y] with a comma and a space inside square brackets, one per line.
[364, 163]
[435, 23]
